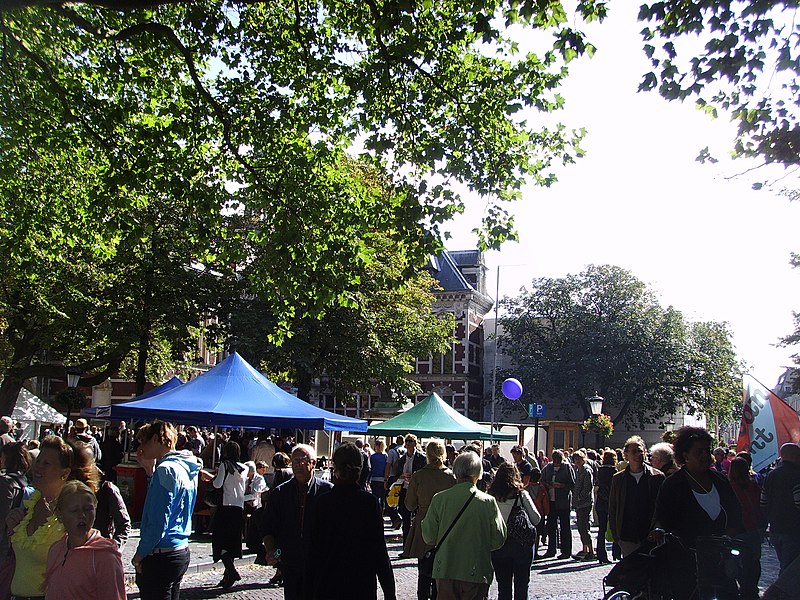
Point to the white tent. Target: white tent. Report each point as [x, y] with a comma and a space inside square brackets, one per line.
[31, 412]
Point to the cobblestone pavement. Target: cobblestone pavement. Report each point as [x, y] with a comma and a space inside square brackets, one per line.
[551, 579]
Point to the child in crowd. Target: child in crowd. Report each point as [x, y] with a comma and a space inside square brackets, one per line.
[82, 564]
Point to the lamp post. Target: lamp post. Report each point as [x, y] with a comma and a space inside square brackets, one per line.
[596, 408]
[73, 379]
[496, 352]
[596, 404]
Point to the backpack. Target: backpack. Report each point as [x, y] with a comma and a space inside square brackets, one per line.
[25, 490]
[520, 528]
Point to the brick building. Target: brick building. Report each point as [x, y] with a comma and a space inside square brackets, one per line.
[457, 375]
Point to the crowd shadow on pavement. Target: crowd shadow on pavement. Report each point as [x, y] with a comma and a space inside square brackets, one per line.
[574, 567]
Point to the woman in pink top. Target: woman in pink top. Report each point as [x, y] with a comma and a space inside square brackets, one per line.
[82, 564]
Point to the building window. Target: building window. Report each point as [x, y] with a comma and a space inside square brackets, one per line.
[442, 363]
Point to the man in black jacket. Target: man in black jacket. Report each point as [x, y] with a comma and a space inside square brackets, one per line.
[780, 502]
[632, 499]
[287, 523]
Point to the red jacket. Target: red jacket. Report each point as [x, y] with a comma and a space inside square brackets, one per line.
[749, 498]
[93, 570]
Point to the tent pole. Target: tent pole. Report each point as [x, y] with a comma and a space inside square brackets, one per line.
[214, 448]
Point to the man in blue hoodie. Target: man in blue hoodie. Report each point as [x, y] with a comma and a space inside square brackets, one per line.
[162, 557]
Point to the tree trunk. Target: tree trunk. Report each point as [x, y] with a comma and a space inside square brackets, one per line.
[141, 362]
[9, 390]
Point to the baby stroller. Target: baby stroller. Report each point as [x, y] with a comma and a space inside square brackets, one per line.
[650, 572]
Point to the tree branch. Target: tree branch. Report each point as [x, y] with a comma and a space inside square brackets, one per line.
[299, 33]
[60, 91]
[388, 56]
[170, 35]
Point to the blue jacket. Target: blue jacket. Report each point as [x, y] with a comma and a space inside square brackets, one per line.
[167, 514]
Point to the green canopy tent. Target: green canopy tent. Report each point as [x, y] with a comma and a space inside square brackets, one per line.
[433, 417]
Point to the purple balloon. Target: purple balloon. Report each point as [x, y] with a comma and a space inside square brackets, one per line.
[512, 389]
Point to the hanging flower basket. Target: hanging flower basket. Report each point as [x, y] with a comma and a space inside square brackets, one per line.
[601, 423]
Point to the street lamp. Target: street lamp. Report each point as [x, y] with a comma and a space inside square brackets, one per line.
[596, 408]
[494, 365]
[595, 404]
[73, 377]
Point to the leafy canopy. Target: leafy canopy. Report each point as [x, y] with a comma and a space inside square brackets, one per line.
[748, 67]
[253, 129]
[604, 331]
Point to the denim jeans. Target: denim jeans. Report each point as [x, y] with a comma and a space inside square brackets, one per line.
[512, 562]
[379, 492]
[161, 575]
[751, 563]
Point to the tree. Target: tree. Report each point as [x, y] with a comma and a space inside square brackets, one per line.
[82, 308]
[432, 91]
[748, 67]
[793, 338]
[716, 370]
[372, 343]
[89, 276]
[253, 111]
[604, 331]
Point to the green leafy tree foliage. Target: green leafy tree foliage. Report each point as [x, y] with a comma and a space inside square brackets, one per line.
[603, 330]
[431, 91]
[372, 343]
[78, 302]
[793, 339]
[748, 67]
[237, 123]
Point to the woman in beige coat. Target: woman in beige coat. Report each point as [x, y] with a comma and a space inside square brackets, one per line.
[426, 482]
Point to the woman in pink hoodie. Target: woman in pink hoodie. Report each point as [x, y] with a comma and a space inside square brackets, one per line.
[82, 564]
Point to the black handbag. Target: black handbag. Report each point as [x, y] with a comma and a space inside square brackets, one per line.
[431, 554]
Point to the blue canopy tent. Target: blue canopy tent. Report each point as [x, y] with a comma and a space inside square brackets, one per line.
[102, 412]
[233, 394]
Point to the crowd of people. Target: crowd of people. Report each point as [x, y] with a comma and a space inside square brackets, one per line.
[65, 519]
[466, 516]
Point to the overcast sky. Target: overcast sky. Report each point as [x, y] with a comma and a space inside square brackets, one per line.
[704, 240]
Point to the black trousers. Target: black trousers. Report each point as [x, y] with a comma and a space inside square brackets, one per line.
[161, 575]
[426, 584]
[554, 519]
[295, 585]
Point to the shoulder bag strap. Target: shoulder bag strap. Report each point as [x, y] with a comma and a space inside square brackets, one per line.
[458, 516]
[17, 501]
